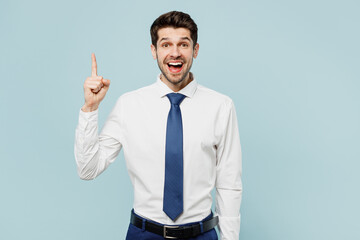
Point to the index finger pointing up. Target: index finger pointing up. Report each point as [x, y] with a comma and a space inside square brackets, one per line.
[93, 65]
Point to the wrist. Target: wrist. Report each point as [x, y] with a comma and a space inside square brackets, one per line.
[86, 108]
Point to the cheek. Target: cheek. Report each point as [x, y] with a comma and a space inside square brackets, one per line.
[189, 55]
[161, 56]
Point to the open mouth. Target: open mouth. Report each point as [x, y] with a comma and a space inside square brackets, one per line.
[175, 67]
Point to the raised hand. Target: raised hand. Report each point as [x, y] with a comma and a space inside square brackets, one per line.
[95, 88]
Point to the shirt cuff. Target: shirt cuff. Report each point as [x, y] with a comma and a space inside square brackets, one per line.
[89, 114]
[229, 227]
[87, 117]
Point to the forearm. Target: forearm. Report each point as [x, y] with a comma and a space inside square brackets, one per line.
[93, 153]
[228, 203]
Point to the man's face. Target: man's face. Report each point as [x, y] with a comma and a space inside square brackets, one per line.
[174, 52]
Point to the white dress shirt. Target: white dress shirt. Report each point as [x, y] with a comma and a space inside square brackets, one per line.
[211, 145]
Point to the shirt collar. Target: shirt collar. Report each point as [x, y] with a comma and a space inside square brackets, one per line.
[189, 90]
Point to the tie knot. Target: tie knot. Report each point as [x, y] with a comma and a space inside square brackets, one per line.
[175, 98]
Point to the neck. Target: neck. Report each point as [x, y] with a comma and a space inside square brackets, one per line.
[179, 86]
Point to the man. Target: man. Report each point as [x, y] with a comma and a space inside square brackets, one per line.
[180, 140]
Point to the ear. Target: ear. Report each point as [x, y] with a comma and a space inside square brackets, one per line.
[196, 50]
[153, 51]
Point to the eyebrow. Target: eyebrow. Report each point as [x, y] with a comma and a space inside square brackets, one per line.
[183, 38]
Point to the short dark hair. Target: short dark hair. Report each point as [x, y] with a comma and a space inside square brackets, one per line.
[174, 19]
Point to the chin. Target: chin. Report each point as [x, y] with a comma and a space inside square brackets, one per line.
[175, 80]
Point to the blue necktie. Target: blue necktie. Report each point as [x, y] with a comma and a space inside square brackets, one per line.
[173, 187]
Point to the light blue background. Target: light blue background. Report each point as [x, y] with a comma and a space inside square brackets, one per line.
[291, 67]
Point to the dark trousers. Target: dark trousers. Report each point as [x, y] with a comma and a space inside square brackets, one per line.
[135, 233]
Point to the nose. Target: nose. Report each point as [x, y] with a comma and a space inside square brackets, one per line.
[175, 52]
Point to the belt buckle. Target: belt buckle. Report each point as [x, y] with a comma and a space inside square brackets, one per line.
[165, 232]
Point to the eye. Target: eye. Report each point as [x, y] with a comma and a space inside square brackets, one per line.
[165, 45]
[184, 45]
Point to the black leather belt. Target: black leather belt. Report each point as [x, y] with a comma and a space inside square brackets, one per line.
[173, 231]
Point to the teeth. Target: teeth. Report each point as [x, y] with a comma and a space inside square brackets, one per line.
[175, 64]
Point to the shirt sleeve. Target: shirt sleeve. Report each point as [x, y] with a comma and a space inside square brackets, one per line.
[94, 152]
[228, 177]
